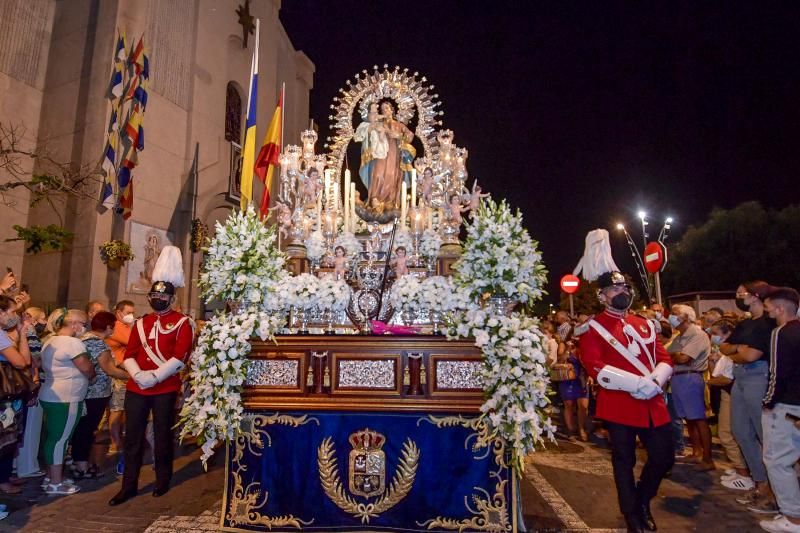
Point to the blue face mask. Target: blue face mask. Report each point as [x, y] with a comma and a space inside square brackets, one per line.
[716, 340]
[11, 323]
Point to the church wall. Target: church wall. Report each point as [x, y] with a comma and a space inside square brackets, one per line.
[193, 56]
[25, 27]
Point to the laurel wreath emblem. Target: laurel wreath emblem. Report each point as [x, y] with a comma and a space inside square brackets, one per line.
[400, 487]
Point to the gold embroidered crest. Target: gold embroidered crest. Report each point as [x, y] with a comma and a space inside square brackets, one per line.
[367, 469]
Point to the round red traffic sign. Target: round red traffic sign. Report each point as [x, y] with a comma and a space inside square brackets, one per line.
[570, 284]
[655, 257]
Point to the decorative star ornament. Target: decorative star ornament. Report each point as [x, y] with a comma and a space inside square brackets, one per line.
[246, 20]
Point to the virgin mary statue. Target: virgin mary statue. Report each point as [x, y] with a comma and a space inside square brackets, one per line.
[386, 156]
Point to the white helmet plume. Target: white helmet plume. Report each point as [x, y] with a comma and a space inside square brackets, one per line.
[597, 257]
[169, 266]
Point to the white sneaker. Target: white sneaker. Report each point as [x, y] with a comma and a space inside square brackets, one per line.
[729, 471]
[739, 483]
[723, 477]
[779, 524]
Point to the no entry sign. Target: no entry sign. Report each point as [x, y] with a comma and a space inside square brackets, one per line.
[570, 284]
[655, 257]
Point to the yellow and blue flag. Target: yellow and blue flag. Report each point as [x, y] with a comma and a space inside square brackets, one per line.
[249, 143]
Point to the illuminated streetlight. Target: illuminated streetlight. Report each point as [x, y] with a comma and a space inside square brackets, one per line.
[620, 227]
[641, 214]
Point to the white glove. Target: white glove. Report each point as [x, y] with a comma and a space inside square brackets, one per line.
[661, 374]
[145, 379]
[646, 389]
[171, 367]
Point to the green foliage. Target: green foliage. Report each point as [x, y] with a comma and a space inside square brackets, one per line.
[744, 243]
[40, 238]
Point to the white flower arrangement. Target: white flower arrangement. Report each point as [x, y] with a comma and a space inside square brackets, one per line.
[334, 294]
[213, 411]
[352, 246]
[405, 293]
[242, 265]
[515, 378]
[500, 258]
[243, 261]
[434, 291]
[315, 246]
[402, 237]
[300, 291]
[430, 243]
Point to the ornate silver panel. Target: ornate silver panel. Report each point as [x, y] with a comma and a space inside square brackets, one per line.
[458, 375]
[367, 374]
[273, 373]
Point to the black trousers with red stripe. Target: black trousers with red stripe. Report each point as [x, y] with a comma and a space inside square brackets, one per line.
[660, 457]
[137, 409]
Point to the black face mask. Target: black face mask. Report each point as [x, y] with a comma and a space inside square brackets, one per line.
[39, 329]
[741, 305]
[159, 305]
[621, 301]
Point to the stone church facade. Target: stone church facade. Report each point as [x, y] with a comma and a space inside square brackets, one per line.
[55, 66]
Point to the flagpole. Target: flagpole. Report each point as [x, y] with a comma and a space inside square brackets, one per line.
[283, 125]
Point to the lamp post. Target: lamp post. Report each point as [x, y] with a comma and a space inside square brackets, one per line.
[637, 258]
[662, 236]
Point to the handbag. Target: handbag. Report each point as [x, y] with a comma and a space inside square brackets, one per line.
[562, 372]
[16, 383]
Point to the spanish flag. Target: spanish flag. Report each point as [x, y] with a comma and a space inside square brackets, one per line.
[249, 143]
[267, 158]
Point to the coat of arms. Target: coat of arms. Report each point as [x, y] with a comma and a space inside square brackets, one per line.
[367, 472]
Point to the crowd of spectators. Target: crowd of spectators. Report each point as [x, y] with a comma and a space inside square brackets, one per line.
[736, 374]
[73, 359]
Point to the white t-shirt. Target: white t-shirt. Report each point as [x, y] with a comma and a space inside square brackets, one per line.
[552, 350]
[64, 383]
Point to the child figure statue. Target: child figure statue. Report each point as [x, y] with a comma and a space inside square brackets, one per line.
[456, 209]
[339, 263]
[475, 199]
[400, 262]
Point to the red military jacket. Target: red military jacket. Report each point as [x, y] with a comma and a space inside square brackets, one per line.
[595, 353]
[173, 341]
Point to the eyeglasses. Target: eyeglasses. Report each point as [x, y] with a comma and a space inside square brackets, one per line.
[742, 294]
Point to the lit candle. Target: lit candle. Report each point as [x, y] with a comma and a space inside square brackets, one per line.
[413, 187]
[347, 200]
[352, 207]
[403, 204]
[335, 197]
[417, 223]
[327, 188]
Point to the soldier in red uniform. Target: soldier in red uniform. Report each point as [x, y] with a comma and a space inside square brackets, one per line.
[158, 345]
[624, 356]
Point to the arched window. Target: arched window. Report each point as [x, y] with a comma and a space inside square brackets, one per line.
[233, 114]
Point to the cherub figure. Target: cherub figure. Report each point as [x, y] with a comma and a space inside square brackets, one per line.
[475, 198]
[339, 263]
[311, 186]
[427, 185]
[455, 208]
[400, 262]
[284, 217]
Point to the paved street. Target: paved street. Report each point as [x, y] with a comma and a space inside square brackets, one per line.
[567, 488]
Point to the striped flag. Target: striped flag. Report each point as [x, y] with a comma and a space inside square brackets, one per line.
[108, 163]
[249, 144]
[120, 55]
[267, 158]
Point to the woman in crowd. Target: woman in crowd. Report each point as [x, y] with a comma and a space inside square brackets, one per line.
[27, 461]
[748, 347]
[722, 378]
[98, 394]
[17, 355]
[574, 393]
[68, 370]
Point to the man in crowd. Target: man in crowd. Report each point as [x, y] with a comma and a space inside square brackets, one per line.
[711, 316]
[94, 307]
[782, 409]
[158, 345]
[563, 325]
[689, 352]
[622, 354]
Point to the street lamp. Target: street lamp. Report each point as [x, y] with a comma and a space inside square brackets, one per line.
[643, 216]
[637, 258]
[664, 233]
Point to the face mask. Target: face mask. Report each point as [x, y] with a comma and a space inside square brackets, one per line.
[159, 305]
[708, 330]
[11, 322]
[40, 329]
[621, 301]
[674, 321]
[129, 319]
[716, 340]
[659, 316]
[741, 305]
[81, 332]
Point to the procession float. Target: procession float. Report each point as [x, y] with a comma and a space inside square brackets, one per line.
[371, 370]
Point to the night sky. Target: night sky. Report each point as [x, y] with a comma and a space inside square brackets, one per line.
[581, 114]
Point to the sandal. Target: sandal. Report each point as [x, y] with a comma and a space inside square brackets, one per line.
[61, 488]
[65, 481]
